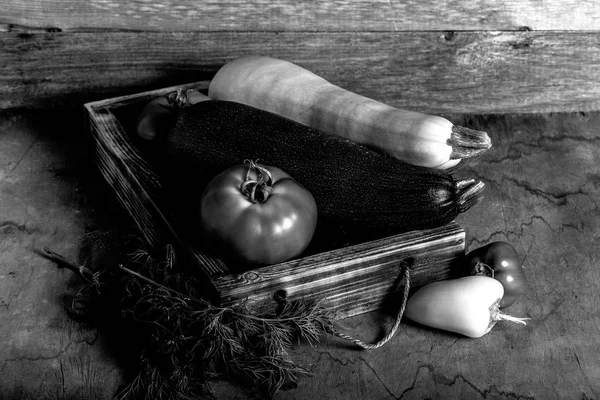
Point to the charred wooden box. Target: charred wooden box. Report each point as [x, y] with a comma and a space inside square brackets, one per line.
[353, 279]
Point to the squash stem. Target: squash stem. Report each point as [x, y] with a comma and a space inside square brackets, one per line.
[468, 143]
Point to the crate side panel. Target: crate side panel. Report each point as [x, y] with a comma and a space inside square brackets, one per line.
[358, 286]
[352, 261]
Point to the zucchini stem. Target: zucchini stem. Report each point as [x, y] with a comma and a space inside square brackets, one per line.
[469, 192]
[468, 143]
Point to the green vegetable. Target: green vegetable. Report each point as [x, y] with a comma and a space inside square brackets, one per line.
[468, 305]
[358, 191]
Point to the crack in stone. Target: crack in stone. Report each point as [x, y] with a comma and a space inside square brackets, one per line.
[335, 359]
[583, 372]
[54, 356]
[453, 343]
[514, 151]
[11, 226]
[21, 158]
[501, 234]
[449, 382]
[578, 362]
[490, 391]
[7, 303]
[558, 198]
[378, 377]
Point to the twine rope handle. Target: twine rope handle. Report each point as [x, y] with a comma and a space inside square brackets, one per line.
[392, 332]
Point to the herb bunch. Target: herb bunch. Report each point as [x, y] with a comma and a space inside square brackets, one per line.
[185, 342]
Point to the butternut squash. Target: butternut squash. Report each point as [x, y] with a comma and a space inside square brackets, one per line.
[289, 90]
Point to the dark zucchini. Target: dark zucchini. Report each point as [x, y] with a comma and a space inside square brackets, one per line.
[360, 194]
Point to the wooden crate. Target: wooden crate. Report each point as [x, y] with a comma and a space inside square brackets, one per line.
[353, 279]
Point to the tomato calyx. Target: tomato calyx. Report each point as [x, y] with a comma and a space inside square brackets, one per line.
[185, 98]
[259, 189]
[482, 269]
[253, 215]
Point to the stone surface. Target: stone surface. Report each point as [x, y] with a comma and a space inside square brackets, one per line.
[543, 186]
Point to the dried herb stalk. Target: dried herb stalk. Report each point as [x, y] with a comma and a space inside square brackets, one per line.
[186, 342]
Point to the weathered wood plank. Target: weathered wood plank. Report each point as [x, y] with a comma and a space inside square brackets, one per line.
[355, 279]
[291, 15]
[467, 72]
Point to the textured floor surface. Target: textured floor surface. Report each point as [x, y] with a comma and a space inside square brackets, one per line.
[543, 186]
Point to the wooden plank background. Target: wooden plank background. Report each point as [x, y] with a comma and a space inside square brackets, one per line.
[452, 57]
[304, 15]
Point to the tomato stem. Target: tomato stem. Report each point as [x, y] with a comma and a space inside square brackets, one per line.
[482, 269]
[258, 189]
[185, 98]
[179, 98]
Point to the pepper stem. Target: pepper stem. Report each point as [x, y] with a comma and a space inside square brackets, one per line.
[506, 317]
[496, 315]
[258, 189]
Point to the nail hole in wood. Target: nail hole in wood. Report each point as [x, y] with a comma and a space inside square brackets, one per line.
[450, 35]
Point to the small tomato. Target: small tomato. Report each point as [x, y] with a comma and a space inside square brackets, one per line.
[156, 118]
[257, 214]
[160, 113]
[501, 261]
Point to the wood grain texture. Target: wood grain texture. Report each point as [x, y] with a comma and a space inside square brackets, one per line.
[355, 279]
[467, 72]
[290, 15]
[124, 168]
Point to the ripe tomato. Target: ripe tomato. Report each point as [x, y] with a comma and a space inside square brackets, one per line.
[501, 261]
[156, 118]
[257, 214]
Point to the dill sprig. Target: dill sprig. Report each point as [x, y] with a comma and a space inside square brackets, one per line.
[186, 341]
